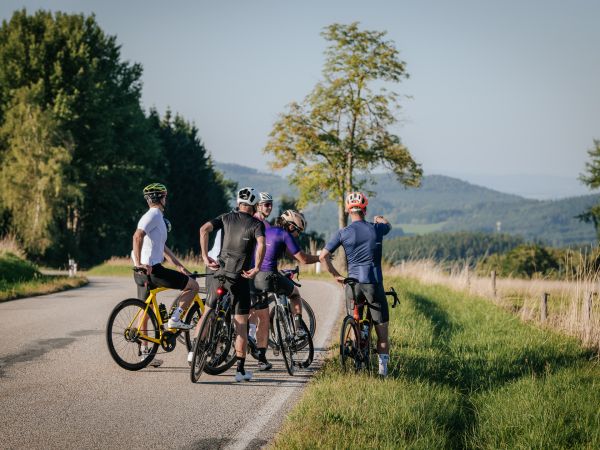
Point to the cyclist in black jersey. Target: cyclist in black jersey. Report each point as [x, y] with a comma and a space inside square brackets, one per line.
[242, 235]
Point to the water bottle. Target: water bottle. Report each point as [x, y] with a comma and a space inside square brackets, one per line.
[283, 300]
[162, 309]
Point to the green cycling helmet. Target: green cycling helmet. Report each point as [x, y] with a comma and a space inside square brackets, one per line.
[155, 192]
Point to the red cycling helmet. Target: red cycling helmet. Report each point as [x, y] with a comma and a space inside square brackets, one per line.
[356, 201]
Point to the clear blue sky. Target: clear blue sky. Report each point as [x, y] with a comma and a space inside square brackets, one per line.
[497, 89]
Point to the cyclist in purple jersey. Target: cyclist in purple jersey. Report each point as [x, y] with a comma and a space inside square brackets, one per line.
[279, 239]
[259, 312]
[362, 243]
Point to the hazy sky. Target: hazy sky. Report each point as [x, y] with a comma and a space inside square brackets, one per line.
[496, 88]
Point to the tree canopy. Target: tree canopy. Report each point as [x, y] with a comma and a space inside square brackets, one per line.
[343, 126]
[592, 179]
[77, 148]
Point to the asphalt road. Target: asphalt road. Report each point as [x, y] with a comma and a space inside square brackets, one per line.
[60, 388]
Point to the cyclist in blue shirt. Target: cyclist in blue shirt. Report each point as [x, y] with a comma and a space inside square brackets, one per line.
[362, 243]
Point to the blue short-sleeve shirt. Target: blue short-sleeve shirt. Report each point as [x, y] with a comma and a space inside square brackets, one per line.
[362, 243]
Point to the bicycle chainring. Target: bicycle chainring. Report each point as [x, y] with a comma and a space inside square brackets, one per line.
[168, 341]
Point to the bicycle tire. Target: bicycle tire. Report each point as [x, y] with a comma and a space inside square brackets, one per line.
[225, 342]
[349, 346]
[193, 316]
[307, 313]
[127, 351]
[202, 347]
[371, 357]
[283, 336]
[303, 357]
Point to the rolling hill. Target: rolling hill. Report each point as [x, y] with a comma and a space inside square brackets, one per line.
[445, 204]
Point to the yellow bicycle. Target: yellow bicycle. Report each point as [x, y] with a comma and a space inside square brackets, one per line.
[134, 324]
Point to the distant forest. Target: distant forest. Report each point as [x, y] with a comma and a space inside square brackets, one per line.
[445, 204]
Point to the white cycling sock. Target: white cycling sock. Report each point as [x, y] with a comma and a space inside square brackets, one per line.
[176, 313]
[383, 363]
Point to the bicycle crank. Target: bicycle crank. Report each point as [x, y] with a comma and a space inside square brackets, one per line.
[168, 341]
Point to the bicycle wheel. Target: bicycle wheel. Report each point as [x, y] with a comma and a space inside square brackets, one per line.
[349, 346]
[203, 346]
[123, 334]
[371, 357]
[303, 349]
[223, 354]
[193, 316]
[308, 316]
[284, 337]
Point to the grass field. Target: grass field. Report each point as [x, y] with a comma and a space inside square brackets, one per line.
[21, 278]
[121, 267]
[420, 228]
[44, 284]
[464, 374]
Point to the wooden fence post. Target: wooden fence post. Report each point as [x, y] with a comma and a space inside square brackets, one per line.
[494, 283]
[544, 307]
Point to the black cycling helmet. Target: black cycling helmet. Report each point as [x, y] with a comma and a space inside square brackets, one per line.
[154, 192]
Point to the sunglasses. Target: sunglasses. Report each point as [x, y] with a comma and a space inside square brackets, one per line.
[167, 224]
[267, 205]
[294, 228]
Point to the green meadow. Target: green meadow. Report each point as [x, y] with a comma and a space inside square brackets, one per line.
[464, 374]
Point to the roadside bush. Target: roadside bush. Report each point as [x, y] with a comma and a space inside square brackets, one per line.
[525, 260]
[13, 269]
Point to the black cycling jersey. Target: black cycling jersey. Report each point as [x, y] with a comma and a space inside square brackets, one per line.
[240, 231]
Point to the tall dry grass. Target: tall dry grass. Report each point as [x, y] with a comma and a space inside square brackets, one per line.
[573, 305]
[9, 244]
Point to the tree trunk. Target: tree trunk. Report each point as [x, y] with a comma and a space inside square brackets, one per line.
[342, 216]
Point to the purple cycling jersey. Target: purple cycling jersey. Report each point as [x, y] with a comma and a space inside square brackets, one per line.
[277, 240]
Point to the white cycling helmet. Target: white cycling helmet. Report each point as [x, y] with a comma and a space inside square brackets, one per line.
[247, 195]
[295, 218]
[264, 197]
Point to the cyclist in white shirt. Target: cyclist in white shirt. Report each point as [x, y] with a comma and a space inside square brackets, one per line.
[149, 252]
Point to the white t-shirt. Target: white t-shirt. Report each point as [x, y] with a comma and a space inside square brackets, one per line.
[153, 247]
[216, 248]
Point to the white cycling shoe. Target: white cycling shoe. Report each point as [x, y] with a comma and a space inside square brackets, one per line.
[144, 352]
[179, 325]
[246, 377]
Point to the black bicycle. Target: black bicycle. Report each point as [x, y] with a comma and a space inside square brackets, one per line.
[308, 315]
[295, 345]
[214, 349]
[357, 346]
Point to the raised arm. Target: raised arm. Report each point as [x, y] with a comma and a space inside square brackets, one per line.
[306, 259]
[325, 258]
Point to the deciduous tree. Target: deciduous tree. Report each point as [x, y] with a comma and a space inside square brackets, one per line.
[343, 126]
[592, 179]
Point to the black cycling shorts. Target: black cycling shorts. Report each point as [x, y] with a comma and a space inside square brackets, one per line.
[374, 294]
[284, 284]
[240, 292]
[257, 299]
[160, 277]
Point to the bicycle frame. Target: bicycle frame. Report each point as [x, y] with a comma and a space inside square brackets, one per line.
[151, 302]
